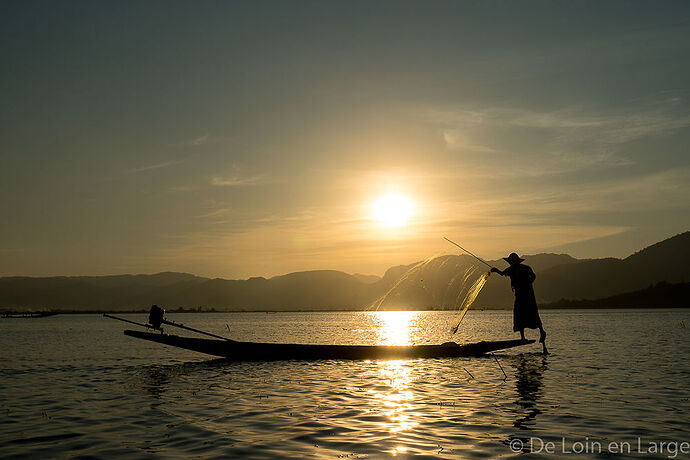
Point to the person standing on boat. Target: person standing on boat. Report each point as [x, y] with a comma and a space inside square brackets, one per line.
[525, 313]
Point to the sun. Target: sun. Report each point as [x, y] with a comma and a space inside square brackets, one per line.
[393, 210]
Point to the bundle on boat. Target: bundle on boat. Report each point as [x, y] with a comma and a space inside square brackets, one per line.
[256, 351]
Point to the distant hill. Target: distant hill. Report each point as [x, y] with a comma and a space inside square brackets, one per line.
[597, 278]
[661, 295]
[437, 283]
[312, 289]
[367, 278]
[559, 276]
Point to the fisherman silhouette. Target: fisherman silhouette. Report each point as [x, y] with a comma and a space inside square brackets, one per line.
[525, 313]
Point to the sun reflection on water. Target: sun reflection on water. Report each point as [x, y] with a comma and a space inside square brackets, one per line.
[393, 392]
[399, 450]
[395, 396]
[394, 326]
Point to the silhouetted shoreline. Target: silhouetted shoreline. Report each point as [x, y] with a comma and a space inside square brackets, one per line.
[644, 279]
[575, 305]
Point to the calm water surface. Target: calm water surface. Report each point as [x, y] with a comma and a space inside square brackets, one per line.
[75, 386]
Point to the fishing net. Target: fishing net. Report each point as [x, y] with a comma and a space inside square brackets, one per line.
[445, 282]
[412, 276]
[469, 298]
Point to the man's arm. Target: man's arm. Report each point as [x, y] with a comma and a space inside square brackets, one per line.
[496, 270]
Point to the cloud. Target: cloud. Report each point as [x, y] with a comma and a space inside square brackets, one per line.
[155, 166]
[638, 121]
[213, 214]
[574, 204]
[603, 129]
[458, 140]
[237, 181]
[533, 142]
[200, 140]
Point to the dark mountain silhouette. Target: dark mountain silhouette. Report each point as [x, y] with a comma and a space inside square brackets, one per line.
[312, 289]
[558, 276]
[437, 283]
[598, 278]
[661, 295]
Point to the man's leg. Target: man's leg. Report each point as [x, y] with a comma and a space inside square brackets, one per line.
[522, 334]
[542, 339]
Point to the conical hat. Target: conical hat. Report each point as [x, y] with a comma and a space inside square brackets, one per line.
[513, 259]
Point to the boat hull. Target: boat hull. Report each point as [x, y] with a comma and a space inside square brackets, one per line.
[252, 351]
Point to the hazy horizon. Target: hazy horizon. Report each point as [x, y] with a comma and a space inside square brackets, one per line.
[498, 261]
[239, 139]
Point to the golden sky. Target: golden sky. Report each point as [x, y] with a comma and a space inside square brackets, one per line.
[240, 139]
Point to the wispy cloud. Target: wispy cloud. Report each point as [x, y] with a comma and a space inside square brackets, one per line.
[599, 204]
[560, 141]
[456, 139]
[200, 140]
[154, 166]
[643, 120]
[603, 129]
[237, 181]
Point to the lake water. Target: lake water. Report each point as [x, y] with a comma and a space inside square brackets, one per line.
[75, 386]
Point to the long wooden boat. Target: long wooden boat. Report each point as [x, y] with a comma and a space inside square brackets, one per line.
[36, 314]
[252, 351]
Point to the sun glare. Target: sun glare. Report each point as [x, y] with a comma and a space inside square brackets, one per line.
[394, 328]
[393, 210]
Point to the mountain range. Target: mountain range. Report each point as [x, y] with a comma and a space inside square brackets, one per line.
[437, 283]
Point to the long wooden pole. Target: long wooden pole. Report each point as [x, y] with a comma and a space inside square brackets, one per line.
[182, 326]
[479, 259]
[128, 321]
[171, 323]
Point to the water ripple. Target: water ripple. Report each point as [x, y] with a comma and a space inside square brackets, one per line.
[105, 395]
